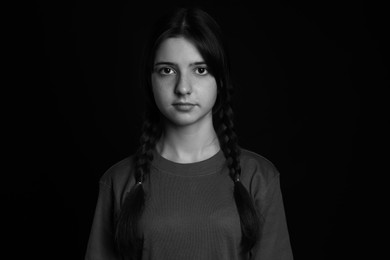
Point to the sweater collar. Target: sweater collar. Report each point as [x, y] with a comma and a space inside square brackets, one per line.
[205, 167]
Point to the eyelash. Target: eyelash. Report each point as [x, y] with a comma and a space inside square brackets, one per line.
[161, 71]
[204, 68]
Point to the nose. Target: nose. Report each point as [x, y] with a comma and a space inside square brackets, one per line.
[183, 85]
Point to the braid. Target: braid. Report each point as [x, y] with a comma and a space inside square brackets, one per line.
[127, 235]
[250, 223]
[229, 143]
[144, 155]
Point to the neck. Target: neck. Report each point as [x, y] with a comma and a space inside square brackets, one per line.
[186, 144]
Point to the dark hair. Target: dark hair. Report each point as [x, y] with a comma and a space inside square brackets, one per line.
[201, 29]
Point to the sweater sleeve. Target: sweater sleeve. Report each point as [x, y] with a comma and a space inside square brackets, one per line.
[101, 240]
[274, 241]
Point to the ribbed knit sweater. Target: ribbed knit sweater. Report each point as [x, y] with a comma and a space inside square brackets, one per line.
[190, 211]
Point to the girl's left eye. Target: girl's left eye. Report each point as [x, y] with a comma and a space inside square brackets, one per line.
[201, 71]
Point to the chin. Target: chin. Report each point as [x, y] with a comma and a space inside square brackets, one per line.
[183, 121]
[187, 120]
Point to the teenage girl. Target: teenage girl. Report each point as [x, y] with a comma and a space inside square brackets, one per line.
[189, 192]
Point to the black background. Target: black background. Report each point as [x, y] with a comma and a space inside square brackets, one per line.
[310, 80]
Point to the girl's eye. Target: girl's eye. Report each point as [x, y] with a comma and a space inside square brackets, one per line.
[166, 71]
[201, 71]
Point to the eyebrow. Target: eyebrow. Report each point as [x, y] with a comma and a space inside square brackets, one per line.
[175, 64]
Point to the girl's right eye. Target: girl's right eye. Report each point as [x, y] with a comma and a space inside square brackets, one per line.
[166, 71]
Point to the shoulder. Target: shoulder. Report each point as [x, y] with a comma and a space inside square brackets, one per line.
[257, 172]
[251, 161]
[120, 175]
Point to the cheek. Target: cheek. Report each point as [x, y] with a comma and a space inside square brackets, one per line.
[160, 89]
[158, 95]
[211, 92]
[156, 88]
[159, 83]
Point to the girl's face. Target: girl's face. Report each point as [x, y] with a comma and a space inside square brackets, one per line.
[183, 88]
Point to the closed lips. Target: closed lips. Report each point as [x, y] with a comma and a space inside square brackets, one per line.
[183, 104]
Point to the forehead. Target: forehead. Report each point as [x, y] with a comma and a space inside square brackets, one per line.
[178, 50]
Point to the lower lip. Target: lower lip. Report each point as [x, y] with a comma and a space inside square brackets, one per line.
[184, 108]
